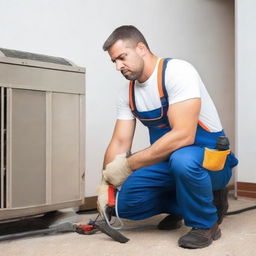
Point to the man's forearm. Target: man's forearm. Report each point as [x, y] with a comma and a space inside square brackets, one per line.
[121, 140]
[114, 149]
[160, 150]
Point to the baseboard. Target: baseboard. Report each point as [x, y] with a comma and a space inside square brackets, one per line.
[246, 189]
[90, 203]
[231, 187]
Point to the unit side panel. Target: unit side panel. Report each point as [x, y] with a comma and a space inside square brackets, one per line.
[28, 148]
[65, 147]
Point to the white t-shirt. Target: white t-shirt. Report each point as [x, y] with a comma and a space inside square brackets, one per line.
[182, 82]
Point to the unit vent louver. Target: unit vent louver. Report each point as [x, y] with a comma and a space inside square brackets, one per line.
[3, 122]
[33, 56]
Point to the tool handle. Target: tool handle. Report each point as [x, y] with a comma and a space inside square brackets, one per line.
[111, 196]
[222, 143]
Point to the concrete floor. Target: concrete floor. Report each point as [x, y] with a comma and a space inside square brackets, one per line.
[238, 239]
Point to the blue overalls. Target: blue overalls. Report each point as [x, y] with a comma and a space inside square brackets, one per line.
[179, 185]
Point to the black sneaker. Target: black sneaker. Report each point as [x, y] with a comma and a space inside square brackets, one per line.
[200, 238]
[220, 200]
[170, 222]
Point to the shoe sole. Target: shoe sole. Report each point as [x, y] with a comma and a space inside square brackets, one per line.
[216, 236]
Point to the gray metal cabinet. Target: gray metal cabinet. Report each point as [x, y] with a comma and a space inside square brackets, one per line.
[42, 134]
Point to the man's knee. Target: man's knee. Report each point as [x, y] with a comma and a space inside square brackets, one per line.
[131, 206]
[129, 196]
[185, 160]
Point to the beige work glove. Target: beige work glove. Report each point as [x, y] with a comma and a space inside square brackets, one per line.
[102, 192]
[117, 171]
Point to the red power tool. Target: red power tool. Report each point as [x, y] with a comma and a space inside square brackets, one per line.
[105, 226]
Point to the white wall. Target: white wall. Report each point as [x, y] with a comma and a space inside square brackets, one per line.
[246, 89]
[200, 31]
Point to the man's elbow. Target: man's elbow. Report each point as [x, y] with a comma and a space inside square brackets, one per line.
[189, 140]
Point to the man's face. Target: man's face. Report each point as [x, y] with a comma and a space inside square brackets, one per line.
[127, 59]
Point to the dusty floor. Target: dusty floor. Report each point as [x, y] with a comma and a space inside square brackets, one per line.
[238, 239]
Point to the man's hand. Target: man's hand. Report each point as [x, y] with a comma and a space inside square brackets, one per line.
[102, 192]
[117, 171]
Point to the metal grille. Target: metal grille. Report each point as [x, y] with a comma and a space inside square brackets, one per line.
[33, 56]
[3, 122]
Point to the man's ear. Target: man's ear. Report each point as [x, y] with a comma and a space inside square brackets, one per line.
[141, 49]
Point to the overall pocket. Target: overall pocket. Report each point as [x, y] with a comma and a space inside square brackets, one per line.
[214, 160]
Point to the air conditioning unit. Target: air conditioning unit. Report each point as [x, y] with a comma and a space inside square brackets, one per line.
[42, 111]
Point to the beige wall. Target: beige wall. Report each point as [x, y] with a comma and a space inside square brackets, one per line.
[200, 31]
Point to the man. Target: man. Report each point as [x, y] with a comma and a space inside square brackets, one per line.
[176, 174]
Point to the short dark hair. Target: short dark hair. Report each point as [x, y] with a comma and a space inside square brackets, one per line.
[127, 32]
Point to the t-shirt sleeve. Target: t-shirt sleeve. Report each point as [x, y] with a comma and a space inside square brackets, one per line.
[123, 108]
[182, 81]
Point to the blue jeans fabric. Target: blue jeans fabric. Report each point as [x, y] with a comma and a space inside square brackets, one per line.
[179, 185]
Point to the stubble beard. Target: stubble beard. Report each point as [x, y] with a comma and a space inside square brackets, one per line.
[131, 75]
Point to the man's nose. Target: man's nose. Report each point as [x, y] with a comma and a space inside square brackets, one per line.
[119, 65]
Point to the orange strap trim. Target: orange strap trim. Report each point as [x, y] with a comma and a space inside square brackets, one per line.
[203, 126]
[159, 78]
[159, 85]
[130, 96]
[111, 195]
[162, 125]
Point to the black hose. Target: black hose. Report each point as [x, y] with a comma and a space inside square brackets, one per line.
[241, 210]
[63, 227]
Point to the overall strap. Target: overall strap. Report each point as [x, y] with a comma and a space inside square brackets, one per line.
[131, 96]
[160, 85]
[164, 91]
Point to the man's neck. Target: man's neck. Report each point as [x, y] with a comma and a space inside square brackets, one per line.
[149, 66]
